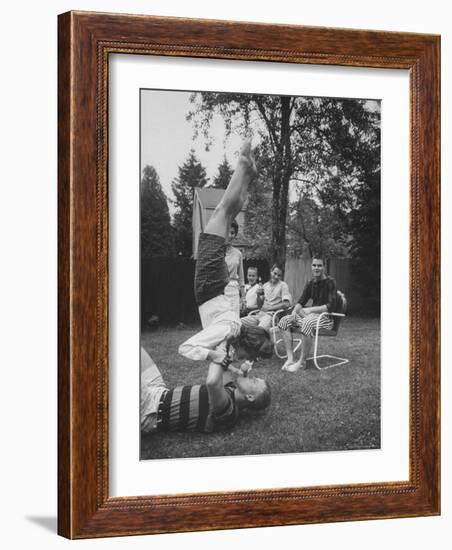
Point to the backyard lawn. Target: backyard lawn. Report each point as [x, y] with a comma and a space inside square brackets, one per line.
[336, 409]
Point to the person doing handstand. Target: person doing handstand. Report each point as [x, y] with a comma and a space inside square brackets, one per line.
[222, 330]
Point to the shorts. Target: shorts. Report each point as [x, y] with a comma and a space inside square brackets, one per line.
[211, 275]
[306, 325]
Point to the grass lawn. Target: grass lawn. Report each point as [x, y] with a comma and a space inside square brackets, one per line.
[337, 409]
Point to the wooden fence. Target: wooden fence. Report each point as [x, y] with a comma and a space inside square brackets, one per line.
[167, 285]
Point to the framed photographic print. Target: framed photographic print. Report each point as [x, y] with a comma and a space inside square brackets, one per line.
[248, 275]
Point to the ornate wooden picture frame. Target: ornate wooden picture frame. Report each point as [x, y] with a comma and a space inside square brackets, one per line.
[86, 41]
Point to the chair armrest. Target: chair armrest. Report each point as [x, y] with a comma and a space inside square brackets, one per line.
[278, 311]
[254, 312]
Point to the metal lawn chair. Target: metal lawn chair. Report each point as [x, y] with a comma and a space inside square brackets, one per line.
[338, 315]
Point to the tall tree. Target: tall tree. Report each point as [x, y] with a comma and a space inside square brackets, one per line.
[156, 232]
[224, 174]
[191, 174]
[301, 139]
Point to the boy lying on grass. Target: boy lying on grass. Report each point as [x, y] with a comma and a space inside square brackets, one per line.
[208, 407]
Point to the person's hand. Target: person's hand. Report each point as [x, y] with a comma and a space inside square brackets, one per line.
[245, 368]
[220, 357]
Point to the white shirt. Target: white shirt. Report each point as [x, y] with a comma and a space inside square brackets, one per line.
[273, 294]
[251, 296]
[219, 322]
[234, 261]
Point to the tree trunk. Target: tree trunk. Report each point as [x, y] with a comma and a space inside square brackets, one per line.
[281, 178]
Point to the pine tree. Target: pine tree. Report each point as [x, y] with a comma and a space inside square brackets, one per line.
[225, 171]
[156, 232]
[191, 174]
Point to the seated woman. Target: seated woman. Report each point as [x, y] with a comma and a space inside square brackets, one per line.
[322, 290]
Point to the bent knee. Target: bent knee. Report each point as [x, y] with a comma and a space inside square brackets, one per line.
[250, 321]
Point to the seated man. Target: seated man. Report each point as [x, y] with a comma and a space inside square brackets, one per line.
[208, 407]
[220, 322]
[251, 301]
[272, 296]
[321, 289]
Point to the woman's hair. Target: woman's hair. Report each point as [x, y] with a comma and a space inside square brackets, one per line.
[235, 226]
[255, 341]
[274, 266]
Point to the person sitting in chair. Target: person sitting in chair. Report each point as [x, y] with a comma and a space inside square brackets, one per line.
[272, 296]
[208, 407]
[251, 301]
[321, 289]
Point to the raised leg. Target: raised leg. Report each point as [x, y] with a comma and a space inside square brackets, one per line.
[235, 194]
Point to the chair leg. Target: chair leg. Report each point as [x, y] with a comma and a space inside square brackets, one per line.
[296, 341]
[340, 360]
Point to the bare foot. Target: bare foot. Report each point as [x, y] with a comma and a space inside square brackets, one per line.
[287, 363]
[246, 158]
[299, 365]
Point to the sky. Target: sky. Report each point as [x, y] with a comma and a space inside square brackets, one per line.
[167, 137]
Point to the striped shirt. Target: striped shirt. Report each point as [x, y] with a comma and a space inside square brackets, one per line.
[187, 408]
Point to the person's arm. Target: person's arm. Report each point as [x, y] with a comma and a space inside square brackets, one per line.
[299, 308]
[330, 299]
[284, 303]
[218, 396]
[315, 309]
[305, 295]
[241, 277]
[260, 294]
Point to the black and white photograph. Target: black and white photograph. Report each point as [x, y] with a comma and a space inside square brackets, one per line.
[260, 274]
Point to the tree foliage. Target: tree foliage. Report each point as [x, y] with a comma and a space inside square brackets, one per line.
[321, 148]
[223, 176]
[191, 174]
[156, 232]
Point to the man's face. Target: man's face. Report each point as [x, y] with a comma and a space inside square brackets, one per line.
[275, 275]
[252, 276]
[250, 385]
[231, 234]
[317, 267]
